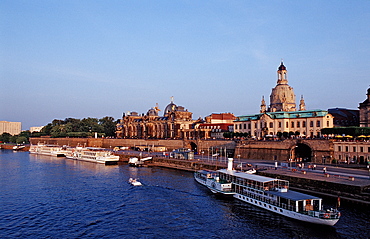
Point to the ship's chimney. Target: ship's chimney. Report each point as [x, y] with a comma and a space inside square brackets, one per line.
[230, 164]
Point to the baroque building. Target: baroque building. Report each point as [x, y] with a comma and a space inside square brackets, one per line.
[282, 114]
[365, 111]
[175, 123]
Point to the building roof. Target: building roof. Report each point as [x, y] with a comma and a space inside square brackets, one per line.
[285, 115]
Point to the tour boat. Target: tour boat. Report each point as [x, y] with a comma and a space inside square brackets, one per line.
[269, 193]
[90, 154]
[134, 182]
[212, 181]
[48, 149]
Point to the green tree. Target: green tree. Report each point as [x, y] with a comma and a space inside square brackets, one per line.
[5, 137]
[109, 126]
[21, 140]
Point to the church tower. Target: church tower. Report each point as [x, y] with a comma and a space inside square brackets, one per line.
[302, 105]
[282, 97]
[263, 105]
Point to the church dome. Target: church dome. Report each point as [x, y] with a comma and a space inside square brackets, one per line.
[152, 112]
[282, 98]
[169, 108]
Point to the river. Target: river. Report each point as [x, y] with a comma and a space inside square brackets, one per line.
[46, 197]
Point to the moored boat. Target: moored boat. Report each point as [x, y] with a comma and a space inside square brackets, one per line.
[137, 162]
[90, 154]
[274, 195]
[48, 149]
[18, 147]
[212, 181]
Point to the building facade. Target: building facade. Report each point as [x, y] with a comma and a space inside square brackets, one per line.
[352, 152]
[176, 123]
[13, 128]
[282, 114]
[365, 111]
[215, 125]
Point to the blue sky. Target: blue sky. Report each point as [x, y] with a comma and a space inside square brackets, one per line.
[79, 59]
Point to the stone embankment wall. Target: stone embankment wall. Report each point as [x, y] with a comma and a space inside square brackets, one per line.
[201, 145]
[282, 150]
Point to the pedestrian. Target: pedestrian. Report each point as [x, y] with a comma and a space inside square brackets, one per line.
[324, 170]
[314, 167]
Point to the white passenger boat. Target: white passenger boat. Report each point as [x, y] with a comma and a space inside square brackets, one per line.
[48, 149]
[274, 195]
[90, 154]
[212, 181]
[134, 182]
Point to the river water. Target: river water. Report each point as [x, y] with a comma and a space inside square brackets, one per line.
[45, 197]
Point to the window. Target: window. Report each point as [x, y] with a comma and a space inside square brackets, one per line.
[298, 124]
[292, 124]
[286, 125]
[361, 149]
[249, 126]
[354, 149]
[346, 148]
[279, 124]
[304, 123]
[311, 123]
[327, 123]
[271, 125]
[318, 123]
[339, 148]
[245, 126]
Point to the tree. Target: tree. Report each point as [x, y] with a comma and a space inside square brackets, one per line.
[5, 137]
[21, 140]
[109, 126]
